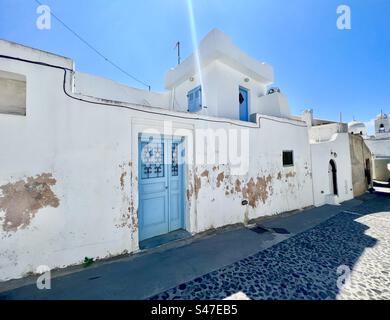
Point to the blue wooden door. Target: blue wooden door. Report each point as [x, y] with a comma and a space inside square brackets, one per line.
[161, 186]
[244, 104]
[176, 184]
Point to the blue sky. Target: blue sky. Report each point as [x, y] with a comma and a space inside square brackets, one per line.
[316, 65]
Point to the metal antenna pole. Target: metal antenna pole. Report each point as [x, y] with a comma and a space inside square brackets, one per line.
[178, 52]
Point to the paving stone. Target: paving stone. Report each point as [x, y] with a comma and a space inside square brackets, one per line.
[305, 267]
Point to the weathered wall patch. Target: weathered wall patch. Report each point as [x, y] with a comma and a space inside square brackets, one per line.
[20, 201]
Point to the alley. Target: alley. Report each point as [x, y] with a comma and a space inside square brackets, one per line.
[301, 256]
[309, 266]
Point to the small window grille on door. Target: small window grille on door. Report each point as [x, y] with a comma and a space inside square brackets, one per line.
[175, 159]
[152, 160]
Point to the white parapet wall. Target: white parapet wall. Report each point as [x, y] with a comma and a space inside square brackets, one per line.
[326, 132]
[109, 90]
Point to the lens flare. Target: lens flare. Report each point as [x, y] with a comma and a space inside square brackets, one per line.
[194, 36]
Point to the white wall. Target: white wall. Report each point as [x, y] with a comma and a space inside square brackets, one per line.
[218, 46]
[385, 121]
[83, 158]
[85, 148]
[382, 169]
[326, 132]
[379, 147]
[220, 89]
[275, 104]
[338, 150]
[269, 187]
[209, 91]
[110, 90]
[229, 81]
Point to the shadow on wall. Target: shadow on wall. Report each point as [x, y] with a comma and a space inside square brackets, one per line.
[301, 268]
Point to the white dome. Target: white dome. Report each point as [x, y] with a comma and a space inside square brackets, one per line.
[382, 116]
[356, 124]
[358, 128]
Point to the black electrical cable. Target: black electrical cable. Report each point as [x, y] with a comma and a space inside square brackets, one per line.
[96, 50]
[136, 104]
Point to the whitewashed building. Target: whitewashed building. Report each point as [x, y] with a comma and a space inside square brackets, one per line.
[379, 145]
[92, 168]
[330, 149]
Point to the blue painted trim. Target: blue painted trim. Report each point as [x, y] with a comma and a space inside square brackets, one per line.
[194, 103]
[244, 114]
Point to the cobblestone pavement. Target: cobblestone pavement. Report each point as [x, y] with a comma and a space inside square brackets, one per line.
[311, 265]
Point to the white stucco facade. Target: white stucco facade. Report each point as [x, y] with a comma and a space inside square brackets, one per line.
[379, 144]
[330, 145]
[69, 178]
[222, 70]
[380, 149]
[336, 150]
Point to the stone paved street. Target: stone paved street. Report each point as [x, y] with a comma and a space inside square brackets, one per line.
[305, 266]
[294, 256]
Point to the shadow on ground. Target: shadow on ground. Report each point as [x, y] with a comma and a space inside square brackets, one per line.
[303, 267]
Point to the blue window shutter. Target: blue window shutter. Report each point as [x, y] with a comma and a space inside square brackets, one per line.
[195, 100]
[191, 102]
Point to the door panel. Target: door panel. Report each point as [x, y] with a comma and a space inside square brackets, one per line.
[155, 221]
[176, 185]
[244, 104]
[161, 193]
[175, 213]
[153, 194]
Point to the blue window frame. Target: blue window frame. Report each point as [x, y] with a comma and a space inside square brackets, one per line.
[195, 100]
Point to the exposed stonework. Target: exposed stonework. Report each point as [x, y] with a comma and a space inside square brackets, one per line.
[133, 207]
[237, 187]
[197, 186]
[21, 200]
[220, 179]
[205, 174]
[190, 192]
[122, 180]
[129, 212]
[257, 191]
[291, 175]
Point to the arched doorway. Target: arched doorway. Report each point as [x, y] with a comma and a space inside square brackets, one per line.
[367, 171]
[333, 178]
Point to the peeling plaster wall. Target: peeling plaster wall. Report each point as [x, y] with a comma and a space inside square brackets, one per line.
[74, 167]
[336, 149]
[268, 187]
[63, 195]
